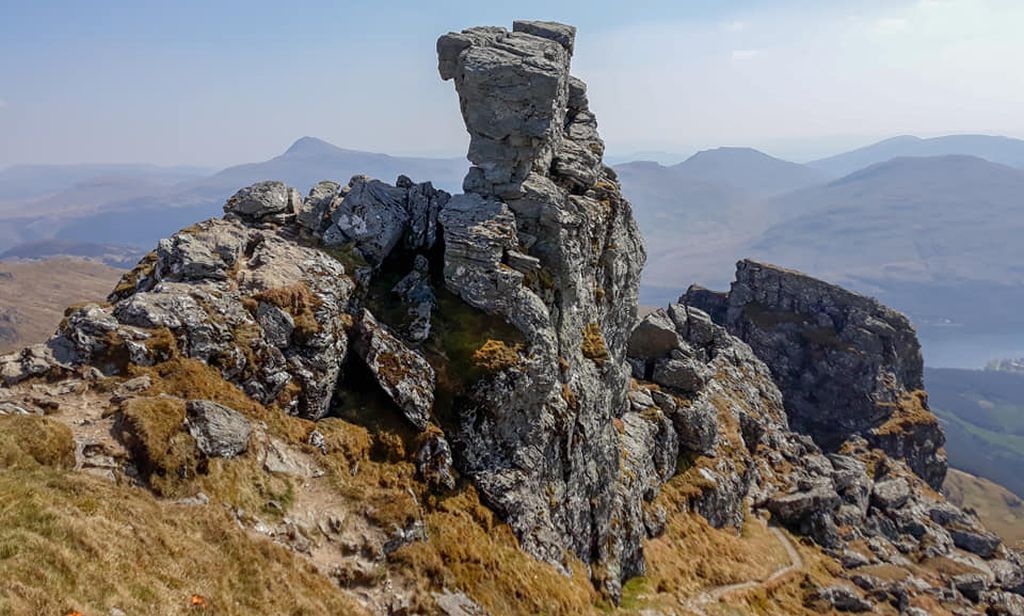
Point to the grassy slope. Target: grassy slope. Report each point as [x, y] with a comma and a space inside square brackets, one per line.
[999, 509]
[37, 293]
[983, 415]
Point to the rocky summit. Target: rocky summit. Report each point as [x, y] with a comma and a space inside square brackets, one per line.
[383, 398]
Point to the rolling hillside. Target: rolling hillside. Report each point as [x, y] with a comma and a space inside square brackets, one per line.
[999, 509]
[983, 415]
[33, 296]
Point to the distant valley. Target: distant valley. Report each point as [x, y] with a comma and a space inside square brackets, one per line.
[33, 296]
[982, 412]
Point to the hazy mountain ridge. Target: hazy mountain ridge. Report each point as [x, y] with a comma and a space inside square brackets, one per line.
[130, 211]
[997, 149]
[905, 229]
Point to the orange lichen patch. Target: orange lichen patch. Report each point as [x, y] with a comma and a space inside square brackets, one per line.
[391, 368]
[911, 411]
[569, 396]
[593, 346]
[496, 355]
[298, 301]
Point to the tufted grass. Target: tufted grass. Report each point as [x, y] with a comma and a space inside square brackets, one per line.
[27, 441]
[73, 542]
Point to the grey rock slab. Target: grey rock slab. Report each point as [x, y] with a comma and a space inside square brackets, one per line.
[403, 374]
[219, 431]
[891, 493]
[263, 199]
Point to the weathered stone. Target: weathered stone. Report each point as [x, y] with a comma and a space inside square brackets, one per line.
[686, 375]
[971, 585]
[434, 461]
[792, 508]
[844, 599]
[372, 216]
[403, 374]
[980, 542]
[845, 363]
[264, 199]
[219, 431]
[891, 493]
[315, 210]
[538, 190]
[653, 337]
[1003, 603]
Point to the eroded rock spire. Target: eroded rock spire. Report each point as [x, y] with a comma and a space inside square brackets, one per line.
[543, 238]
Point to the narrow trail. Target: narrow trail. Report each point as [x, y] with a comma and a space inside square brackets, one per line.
[709, 596]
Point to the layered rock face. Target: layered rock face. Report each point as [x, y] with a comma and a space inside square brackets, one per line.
[543, 239]
[847, 365]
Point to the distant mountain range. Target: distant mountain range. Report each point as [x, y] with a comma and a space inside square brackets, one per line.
[937, 237]
[927, 225]
[1003, 150]
[138, 205]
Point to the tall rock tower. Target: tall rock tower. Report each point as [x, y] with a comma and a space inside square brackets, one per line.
[543, 239]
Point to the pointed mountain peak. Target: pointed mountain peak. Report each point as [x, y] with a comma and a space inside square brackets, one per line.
[311, 146]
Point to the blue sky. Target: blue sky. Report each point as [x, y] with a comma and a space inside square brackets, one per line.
[215, 83]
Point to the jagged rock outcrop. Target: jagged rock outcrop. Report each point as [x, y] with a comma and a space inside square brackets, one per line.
[487, 343]
[846, 364]
[543, 239]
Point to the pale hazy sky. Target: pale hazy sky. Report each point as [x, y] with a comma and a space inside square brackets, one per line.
[217, 82]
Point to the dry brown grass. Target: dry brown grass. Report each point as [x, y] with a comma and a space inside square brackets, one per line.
[713, 556]
[469, 549]
[130, 280]
[1000, 510]
[28, 441]
[153, 430]
[72, 542]
[910, 412]
[298, 301]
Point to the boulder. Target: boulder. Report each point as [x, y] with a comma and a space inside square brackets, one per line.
[890, 493]
[844, 599]
[653, 337]
[219, 431]
[971, 585]
[1003, 603]
[793, 508]
[976, 541]
[313, 214]
[263, 200]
